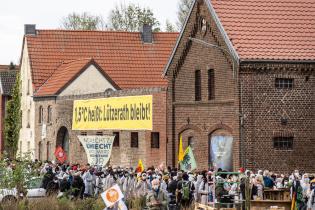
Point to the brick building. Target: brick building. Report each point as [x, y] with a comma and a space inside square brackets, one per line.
[59, 66]
[150, 145]
[7, 80]
[241, 85]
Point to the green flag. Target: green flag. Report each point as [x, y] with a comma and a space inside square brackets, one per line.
[189, 162]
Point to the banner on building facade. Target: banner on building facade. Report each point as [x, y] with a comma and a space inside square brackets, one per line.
[117, 113]
[221, 152]
[97, 148]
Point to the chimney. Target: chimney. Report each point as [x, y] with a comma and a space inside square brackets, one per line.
[146, 33]
[29, 29]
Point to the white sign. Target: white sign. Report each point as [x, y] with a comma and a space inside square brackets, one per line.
[112, 195]
[98, 148]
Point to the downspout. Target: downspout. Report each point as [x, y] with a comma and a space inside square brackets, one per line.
[173, 124]
[242, 149]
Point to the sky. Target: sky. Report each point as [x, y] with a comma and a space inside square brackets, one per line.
[47, 14]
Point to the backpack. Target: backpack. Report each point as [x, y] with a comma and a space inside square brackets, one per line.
[185, 191]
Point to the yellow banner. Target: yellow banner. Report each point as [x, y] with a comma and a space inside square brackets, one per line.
[117, 113]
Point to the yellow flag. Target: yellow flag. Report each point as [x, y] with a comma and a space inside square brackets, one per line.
[140, 166]
[180, 149]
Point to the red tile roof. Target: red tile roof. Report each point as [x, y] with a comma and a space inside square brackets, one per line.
[269, 29]
[122, 55]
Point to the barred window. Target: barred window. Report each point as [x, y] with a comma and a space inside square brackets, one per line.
[99, 133]
[284, 83]
[211, 84]
[155, 140]
[116, 140]
[83, 133]
[283, 143]
[134, 139]
[197, 85]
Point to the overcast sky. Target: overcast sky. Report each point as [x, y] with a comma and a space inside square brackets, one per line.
[47, 14]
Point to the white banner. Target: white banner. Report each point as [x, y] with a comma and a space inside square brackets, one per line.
[98, 148]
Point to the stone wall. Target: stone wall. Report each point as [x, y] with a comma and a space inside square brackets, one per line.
[264, 109]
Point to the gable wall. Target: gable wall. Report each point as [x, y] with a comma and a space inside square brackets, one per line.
[201, 118]
[27, 140]
[90, 81]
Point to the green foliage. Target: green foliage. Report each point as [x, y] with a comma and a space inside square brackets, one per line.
[183, 10]
[12, 123]
[83, 21]
[169, 27]
[15, 174]
[131, 17]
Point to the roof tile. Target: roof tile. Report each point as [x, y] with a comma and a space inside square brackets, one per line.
[268, 29]
[122, 55]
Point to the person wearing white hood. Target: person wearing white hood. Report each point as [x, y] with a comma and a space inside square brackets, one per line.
[197, 185]
[206, 189]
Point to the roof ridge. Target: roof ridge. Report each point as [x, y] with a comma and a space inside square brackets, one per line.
[103, 31]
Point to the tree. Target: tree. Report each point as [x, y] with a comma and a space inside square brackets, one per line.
[12, 121]
[83, 21]
[131, 17]
[169, 27]
[183, 10]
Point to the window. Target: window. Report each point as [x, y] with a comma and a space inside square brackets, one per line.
[134, 139]
[116, 139]
[211, 84]
[40, 115]
[155, 140]
[197, 85]
[28, 87]
[28, 125]
[191, 142]
[83, 133]
[284, 83]
[283, 143]
[99, 133]
[49, 114]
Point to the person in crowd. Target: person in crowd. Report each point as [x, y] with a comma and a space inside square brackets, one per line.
[185, 191]
[311, 200]
[89, 182]
[205, 189]
[268, 182]
[156, 198]
[48, 177]
[77, 186]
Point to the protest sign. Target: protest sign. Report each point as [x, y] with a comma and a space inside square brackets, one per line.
[120, 113]
[97, 148]
[112, 195]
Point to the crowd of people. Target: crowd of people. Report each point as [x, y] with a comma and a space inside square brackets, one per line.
[170, 188]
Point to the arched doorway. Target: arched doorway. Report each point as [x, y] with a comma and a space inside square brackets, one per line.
[221, 150]
[63, 140]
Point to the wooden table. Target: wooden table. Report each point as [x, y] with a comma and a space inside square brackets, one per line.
[266, 204]
[277, 194]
